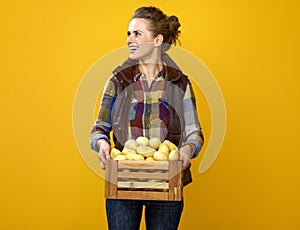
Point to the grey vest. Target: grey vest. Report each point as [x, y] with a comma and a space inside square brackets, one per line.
[176, 85]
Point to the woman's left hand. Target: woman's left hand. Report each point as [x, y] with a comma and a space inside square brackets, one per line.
[185, 153]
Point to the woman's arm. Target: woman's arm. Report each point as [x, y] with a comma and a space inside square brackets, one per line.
[193, 140]
[102, 127]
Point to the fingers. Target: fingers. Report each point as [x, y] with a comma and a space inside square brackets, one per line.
[102, 159]
[185, 156]
[104, 153]
[185, 160]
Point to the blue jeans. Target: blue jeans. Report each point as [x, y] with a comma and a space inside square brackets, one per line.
[159, 215]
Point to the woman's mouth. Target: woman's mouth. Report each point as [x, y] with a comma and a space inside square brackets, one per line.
[133, 49]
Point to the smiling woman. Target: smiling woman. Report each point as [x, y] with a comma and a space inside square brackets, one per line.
[148, 96]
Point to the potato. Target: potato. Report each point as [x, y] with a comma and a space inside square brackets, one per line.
[146, 151]
[114, 152]
[131, 144]
[130, 156]
[159, 156]
[163, 148]
[120, 157]
[142, 141]
[128, 151]
[154, 142]
[124, 170]
[173, 155]
[138, 157]
[149, 159]
[171, 145]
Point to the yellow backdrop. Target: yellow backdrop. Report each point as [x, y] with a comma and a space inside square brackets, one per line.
[251, 47]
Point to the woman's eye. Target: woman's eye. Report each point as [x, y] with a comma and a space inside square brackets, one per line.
[136, 34]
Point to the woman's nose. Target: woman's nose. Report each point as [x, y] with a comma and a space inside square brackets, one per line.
[130, 39]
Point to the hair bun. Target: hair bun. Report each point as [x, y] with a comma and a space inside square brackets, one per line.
[174, 26]
[174, 22]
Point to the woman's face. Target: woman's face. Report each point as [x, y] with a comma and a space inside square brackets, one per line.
[140, 40]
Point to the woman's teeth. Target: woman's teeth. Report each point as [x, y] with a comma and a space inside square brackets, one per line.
[133, 49]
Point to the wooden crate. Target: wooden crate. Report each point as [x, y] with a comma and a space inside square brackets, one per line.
[143, 180]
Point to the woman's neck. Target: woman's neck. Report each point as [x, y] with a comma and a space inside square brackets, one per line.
[150, 70]
[151, 64]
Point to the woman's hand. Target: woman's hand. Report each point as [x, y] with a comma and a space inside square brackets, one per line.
[104, 152]
[185, 153]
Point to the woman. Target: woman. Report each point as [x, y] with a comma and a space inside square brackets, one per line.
[148, 96]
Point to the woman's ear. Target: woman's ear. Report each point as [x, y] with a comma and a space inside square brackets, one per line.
[158, 40]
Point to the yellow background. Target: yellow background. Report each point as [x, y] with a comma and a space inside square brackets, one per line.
[251, 47]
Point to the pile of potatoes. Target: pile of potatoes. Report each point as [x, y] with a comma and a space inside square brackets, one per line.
[146, 149]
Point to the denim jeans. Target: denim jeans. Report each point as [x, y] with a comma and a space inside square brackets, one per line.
[159, 215]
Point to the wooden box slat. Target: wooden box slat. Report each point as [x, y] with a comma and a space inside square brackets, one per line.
[137, 184]
[144, 175]
[143, 195]
[175, 182]
[155, 165]
[111, 179]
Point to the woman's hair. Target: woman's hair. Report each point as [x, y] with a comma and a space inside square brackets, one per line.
[160, 23]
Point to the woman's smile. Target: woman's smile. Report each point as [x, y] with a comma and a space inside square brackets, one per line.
[133, 48]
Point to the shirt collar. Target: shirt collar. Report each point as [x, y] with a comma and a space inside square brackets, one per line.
[137, 73]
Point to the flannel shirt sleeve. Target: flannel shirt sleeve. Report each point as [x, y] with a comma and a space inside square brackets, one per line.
[193, 130]
[102, 126]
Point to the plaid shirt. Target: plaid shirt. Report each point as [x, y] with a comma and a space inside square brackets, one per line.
[149, 113]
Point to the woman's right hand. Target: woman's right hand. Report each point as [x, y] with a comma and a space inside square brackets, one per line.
[104, 151]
